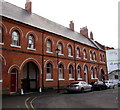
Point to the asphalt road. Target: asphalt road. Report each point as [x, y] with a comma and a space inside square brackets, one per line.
[96, 99]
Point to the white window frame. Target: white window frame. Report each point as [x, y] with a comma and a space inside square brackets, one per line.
[91, 57]
[70, 51]
[61, 72]
[1, 37]
[85, 54]
[60, 47]
[78, 53]
[50, 73]
[79, 73]
[49, 46]
[15, 39]
[31, 43]
[71, 73]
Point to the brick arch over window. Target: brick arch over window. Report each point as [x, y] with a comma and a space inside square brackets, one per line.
[15, 66]
[33, 34]
[16, 28]
[78, 65]
[69, 44]
[84, 53]
[49, 61]
[31, 60]
[71, 64]
[4, 27]
[70, 49]
[60, 41]
[49, 38]
[2, 59]
[60, 62]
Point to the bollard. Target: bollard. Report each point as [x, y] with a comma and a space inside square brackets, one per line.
[40, 90]
[22, 92]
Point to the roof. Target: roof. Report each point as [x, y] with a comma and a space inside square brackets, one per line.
[19, 14]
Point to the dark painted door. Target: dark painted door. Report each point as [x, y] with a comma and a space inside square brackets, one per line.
[13, 82]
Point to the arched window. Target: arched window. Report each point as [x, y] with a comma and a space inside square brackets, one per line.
[91, 57]
[15, 38]
[85, 70]
[69, 50]
[92, 73]
[61, 72]
[49, 46]
[103, 58]
[84, 54]
[78, 53]
[1, 35]
[100, 57]
[60, 47]
[94, 56]
[71, 72]
[49, 70]
[79, 72]
[31, 42]
[86, 73]
[95, 72]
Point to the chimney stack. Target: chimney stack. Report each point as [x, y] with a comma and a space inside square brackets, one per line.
[84, 31]
[28, 6]
[91, 35]
[71, 25]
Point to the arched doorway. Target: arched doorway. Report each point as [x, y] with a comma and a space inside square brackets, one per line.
[102, 78]
[30, 77]
[14, 80]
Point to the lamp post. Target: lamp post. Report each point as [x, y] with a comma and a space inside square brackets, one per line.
[58, 85]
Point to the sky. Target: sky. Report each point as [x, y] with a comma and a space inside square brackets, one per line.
[100, 16]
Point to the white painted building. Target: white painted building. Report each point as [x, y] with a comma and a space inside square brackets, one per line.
[113, 64]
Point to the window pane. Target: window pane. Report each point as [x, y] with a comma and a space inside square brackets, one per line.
[31, 42]
[60, 48]
[15, 38]
[49, 46]
[71, 75]
[61, 72]
[78, 71]
[49, 71]
[85, 54]
[69, 51]
[78, 52]
[1, 34]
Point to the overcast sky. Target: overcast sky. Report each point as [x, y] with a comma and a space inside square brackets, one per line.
[100, 16]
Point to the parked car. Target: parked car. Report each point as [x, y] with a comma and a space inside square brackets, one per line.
[98, 85]
[109, 84]
[79, 86]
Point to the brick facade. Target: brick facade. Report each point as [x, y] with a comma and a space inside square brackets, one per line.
[17, 57]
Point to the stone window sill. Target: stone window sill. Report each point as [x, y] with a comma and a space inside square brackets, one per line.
[15, 46]
[31, 49]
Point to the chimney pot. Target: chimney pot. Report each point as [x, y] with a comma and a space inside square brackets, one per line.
[91, 35]
[28, 6]
[71, 25]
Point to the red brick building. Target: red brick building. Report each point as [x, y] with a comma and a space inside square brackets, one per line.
[28, 57]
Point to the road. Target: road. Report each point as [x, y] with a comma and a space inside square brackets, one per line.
[96, 99]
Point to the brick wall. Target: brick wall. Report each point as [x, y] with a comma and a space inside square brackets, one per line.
[18, 57]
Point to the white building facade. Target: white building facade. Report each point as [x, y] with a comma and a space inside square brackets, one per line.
[113, 64]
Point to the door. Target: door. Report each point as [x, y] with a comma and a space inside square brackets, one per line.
[13, 83]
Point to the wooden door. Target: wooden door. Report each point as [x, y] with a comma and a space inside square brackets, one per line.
[13, 83]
